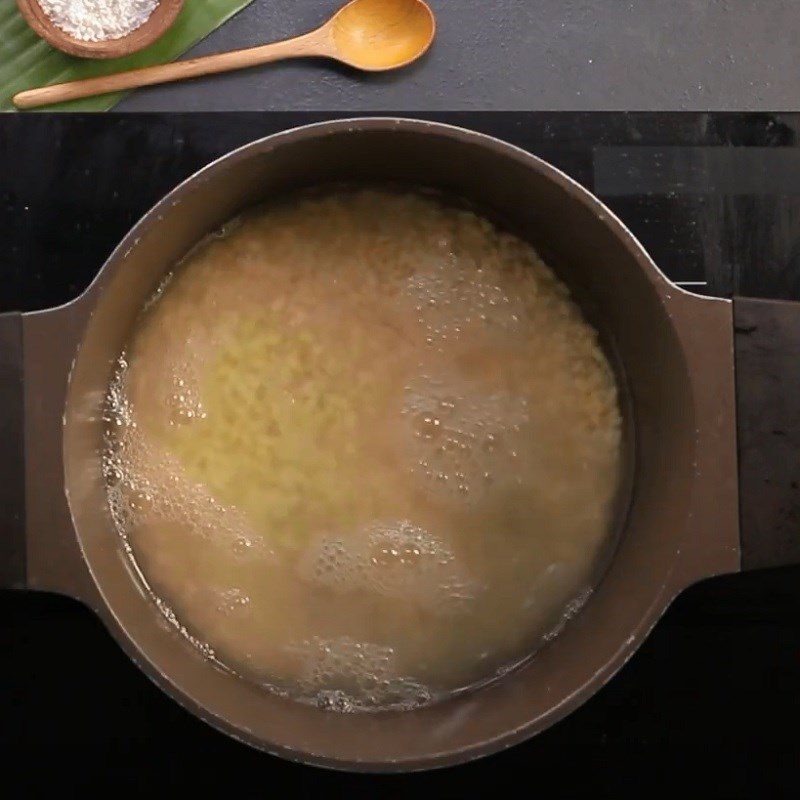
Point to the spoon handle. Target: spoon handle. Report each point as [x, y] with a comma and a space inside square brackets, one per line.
[310, 44]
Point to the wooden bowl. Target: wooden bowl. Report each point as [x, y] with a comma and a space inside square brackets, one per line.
[160, 20]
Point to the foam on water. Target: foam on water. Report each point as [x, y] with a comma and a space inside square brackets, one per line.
[343, 674]
[452, 302]
[398, 560]
[463, 440]
[146, 483]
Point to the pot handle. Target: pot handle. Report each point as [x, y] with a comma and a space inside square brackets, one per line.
[12, 455]
[767, 347]
[38, 546]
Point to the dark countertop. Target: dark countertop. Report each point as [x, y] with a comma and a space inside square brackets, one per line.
[525, 55]
[708, 705]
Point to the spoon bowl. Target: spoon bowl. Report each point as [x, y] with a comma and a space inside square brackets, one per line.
[377, 35]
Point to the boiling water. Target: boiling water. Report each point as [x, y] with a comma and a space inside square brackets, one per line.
[364, 449]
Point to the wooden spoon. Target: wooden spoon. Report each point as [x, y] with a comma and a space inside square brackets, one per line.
[371, 35]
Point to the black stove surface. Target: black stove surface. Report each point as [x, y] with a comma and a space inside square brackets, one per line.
[715, 198]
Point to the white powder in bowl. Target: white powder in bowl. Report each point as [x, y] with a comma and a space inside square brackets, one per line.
[98, 20]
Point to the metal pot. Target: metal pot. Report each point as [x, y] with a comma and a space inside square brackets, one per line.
[675, 358]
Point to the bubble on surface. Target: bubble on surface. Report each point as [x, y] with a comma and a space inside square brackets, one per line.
[232, 601]
[158, 292]
[147, 483]
[571, 609]
[398, 560]
[347, 675]
[452, 301]
[463, 441]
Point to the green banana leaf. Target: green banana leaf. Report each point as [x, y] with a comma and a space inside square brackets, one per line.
[27, 62]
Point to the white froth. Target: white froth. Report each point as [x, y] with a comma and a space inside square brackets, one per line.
[398, 560]
[145, 482]
[463, 440]
[346, 675]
